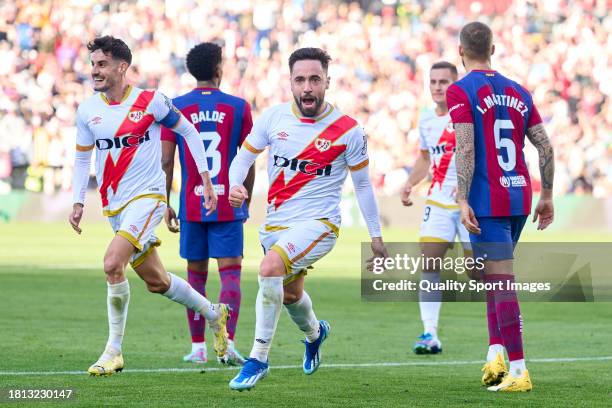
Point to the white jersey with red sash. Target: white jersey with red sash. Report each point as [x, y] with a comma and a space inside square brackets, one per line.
[437, 136]
[126, 136]
[308, 161]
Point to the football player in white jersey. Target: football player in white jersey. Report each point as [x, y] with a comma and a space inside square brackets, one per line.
[441, 221]
[123, 124]
[312, 147]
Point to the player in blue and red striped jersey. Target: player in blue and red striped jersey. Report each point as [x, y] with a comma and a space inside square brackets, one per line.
[492, 115]
[223, 121]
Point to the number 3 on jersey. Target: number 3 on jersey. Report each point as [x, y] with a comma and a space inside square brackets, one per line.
[504, 143]
[211, 144]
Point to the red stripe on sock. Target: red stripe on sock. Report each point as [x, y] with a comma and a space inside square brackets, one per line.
[230, 267]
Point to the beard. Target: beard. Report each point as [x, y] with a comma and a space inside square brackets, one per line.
[104, 86]
[311, 110]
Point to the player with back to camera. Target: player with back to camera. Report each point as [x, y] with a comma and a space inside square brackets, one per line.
[223, 122]
[312, 147]
[441, 221]
[492, 115]
[123, 124]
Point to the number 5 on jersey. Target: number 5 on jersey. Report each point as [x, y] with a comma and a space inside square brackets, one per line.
[504, 143]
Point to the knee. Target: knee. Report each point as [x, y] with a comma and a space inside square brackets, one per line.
[158, 284]
[290, 298]
[272, 265]
[113, 266]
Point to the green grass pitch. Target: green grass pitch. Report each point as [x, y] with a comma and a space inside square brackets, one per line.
[53, 320]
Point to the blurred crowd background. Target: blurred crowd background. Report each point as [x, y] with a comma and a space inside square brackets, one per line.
[381, 50]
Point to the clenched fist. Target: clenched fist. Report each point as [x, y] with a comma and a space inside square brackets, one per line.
[237, 196]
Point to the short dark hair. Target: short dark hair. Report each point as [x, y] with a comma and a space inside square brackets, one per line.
[309, 54]
[476, 39]
[446, 65]
[202, 60]
[113, 46]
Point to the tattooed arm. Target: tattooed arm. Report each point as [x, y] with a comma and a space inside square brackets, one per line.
[537, 136]
[544, 209]
[464, 158]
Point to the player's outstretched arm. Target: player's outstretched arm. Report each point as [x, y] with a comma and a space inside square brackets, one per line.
[80, 177]
[464, 158]
[369, 209]
[168, 149]
[418, 173]
[544, 210]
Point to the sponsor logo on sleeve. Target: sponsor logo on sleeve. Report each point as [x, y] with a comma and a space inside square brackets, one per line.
[455, 107]
[168, 102]
[364, 149]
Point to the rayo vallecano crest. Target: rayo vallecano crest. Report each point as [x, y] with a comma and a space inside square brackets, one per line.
[322, 144]
[135, 116]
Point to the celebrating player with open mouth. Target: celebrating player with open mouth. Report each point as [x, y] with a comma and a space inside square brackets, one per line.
[312, 146]
[123, 124]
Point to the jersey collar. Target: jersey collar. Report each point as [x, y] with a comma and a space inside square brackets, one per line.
[112, 103]
[329, 108]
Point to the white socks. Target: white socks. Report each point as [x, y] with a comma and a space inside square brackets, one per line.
[181, 292]
[198, 346]
[302, 314]
[517, 367]
[267, 312]
[430, 303]
[493, 350]
[117, 301]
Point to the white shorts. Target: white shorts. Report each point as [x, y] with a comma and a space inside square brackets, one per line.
[136, 223]
[300, 244]
[442, 223]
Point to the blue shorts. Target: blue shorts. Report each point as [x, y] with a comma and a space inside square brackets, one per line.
[498, 237]
[203, 240]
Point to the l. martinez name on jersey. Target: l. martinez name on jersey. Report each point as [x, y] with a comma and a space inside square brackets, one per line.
[122, 141]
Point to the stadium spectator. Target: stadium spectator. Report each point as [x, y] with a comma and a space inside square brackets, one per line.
[381, 61]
